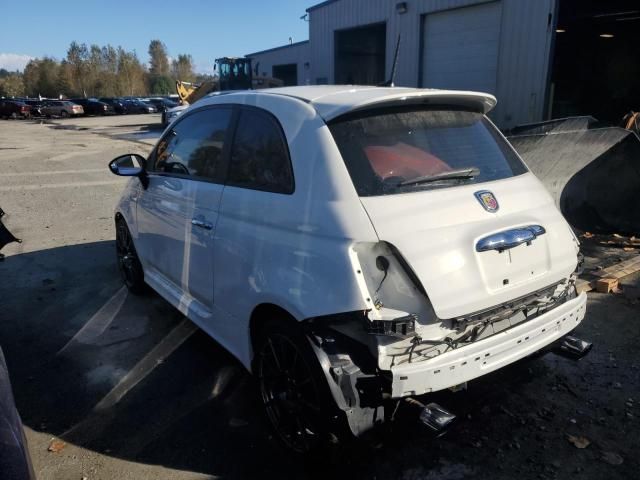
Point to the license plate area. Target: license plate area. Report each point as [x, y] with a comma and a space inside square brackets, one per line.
[521, 264]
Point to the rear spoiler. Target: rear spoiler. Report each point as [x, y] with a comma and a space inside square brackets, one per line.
[473, 101]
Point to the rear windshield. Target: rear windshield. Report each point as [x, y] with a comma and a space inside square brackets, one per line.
[406, 150]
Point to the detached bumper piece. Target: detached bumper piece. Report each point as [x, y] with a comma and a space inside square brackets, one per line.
[353, 379]
[572, 347]
[433, 416]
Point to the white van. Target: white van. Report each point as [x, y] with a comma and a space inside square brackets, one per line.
[351, 246]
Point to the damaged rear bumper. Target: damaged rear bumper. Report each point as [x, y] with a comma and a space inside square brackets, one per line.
[484, 356]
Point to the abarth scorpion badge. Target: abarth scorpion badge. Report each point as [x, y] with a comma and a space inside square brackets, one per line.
[487, 200]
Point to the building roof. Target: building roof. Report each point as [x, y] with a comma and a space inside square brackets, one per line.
[320, 5]
[288, 45]
[331, 101]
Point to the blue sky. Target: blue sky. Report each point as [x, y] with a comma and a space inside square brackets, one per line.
[205, 29]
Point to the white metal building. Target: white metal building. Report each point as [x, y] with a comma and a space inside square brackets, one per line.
[289, 63]
[540, 58]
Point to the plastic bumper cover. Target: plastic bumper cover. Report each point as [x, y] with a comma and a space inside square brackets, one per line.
[484, 356]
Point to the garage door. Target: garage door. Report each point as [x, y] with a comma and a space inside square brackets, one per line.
[461, 48]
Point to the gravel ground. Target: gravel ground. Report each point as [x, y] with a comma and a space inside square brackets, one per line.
[137, 392]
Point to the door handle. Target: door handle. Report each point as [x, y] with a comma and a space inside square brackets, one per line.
[510, 238]
[202, 224]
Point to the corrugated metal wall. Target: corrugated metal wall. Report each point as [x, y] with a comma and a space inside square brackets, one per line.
[297, 53]
[525, 42]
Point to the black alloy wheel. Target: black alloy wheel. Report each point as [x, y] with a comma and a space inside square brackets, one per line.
[128, 262]
[291, 391]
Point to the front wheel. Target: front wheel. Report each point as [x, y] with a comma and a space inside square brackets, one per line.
[64, 114]
[294, 391]
[128, 262]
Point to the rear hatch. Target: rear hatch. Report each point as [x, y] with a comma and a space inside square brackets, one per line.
[439, 184]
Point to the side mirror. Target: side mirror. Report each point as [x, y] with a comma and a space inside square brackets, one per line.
[129, 165]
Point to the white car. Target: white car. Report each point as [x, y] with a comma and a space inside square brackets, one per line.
[170, 114]
[351, 246]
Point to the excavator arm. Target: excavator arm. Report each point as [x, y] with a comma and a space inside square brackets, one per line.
[191, 92]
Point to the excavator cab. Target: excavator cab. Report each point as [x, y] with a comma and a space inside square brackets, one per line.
[234, 73]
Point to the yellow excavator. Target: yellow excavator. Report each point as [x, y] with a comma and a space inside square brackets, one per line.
[233, 74]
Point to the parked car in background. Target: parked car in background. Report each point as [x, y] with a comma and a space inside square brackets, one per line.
[116, 103]
[162, 104]
[171, 114]
[36, 106]
[92, 106]
[14, 109]
[61, 108]
[137, 106]
[15, 461]
[353, 247]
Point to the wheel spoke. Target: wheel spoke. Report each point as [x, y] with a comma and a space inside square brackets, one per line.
[275, 356]
[289, 392]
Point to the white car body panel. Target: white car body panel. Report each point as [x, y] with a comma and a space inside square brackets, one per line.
[436, 231]
[165, 215]
[297, 251]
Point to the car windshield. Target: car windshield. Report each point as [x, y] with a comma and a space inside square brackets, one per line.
[404, 150]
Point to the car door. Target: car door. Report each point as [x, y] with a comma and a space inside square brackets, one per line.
[254, 243]
[178, 211]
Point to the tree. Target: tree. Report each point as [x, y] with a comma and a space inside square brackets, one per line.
[65, 81]
[183, 68]
[131, 74]
[11, 85]
[160, 84]
[77, 57]
[30, 77]
[109, 63]
[40, 77]
[158, 59]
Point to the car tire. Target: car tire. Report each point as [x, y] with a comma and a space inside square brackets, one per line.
[64, 114]
[294, 391]
[128, 261]
[14, 116]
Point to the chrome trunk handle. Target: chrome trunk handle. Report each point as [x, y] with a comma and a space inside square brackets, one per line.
[202, 224]
[510, 238]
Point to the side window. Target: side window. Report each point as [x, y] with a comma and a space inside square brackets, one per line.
[259, 156]
[194, 145]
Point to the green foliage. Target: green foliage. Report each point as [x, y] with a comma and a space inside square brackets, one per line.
[158, 58]
[11, 85]
[99, 71]
[182, 68]
[40, 77]
[161, 85]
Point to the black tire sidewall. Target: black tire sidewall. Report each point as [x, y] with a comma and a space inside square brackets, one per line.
[332, 427]
[136, 285]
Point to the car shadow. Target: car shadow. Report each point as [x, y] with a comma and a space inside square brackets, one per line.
[130, 377]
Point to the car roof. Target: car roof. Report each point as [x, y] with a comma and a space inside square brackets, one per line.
[331, 101]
